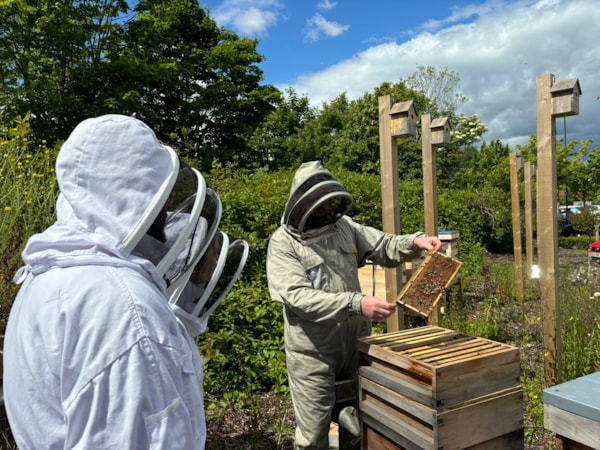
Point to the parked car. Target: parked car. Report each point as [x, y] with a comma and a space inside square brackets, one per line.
[594, 252]
[568, 230]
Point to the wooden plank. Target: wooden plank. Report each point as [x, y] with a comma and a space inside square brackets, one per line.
[516, 223]
[465, 386]
[481, 420]
[372, 440]
[465, 353]
[563, 443]
[443, 392]
[383, 438]
[429, 177]
[512, 441]
[375, 395]
[528, 172]
[436, 347]
[376, 352]
[456, 366]
[447, 350]
[572, 426]
[403, 382]
[381, 415]
[389, 433]
[397, 343]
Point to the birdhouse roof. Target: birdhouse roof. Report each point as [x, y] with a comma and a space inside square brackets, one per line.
[440, 122]
[572, 84]
[403, 107]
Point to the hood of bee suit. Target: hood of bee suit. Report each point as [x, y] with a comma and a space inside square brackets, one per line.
[317, 200]
[114, 178]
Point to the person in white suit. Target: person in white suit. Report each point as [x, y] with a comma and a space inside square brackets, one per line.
[97, 353]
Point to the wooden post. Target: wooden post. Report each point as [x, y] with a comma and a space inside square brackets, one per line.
[547, 224]
[558, 99]
[390, 203]
[430, 193]
[429, 177]
[516, 222]
[434, 133]
[529, 173]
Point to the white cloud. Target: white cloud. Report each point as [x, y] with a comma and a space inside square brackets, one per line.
[249, 17]
[318, 25]
[326, 5]
[498, 56]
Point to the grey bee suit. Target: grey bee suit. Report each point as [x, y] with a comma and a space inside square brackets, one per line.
[315, 276]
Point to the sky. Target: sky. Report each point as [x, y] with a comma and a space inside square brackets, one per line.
[498, 48]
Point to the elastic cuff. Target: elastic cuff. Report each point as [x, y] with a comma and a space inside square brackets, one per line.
[354, 305]
[416, 235]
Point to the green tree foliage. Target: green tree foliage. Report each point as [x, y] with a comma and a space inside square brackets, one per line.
[198, 85]
[577, 168]
[48, 53]
[345, 134]
[271, 144]
[490, 166]
[585, 221]
[166, 61]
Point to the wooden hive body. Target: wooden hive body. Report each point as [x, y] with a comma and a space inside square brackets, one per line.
[434, 388]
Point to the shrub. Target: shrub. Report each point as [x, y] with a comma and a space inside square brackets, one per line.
[27, 200]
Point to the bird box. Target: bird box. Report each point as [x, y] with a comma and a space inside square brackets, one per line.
[403, 119]
[565, 97]
[440, 131]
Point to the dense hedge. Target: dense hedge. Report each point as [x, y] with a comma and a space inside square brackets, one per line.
[243, 347]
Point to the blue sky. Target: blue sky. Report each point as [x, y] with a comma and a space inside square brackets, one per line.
[323, 48]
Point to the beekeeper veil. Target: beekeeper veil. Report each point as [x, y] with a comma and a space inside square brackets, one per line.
[179, 208]
[208, 264]
[316, 200]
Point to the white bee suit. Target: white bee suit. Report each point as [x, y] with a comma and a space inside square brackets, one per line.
[94, 356]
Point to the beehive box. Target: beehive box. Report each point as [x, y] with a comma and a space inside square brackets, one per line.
[434, 388]
[572, 411]
[449, 240]
[372, 439]
[429, 282]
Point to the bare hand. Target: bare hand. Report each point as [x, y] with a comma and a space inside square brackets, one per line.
[376, 308]
[429, 243]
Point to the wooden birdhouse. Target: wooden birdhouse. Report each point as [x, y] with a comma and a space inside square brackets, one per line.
[565, 97]
[404, 119]
[440, 131]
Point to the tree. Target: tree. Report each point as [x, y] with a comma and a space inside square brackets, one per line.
[314, 139]
[440, 88]
[197, 85]
[345, 134]
[577, 168]
[270, 144]
[166, 61]
[488, 167]
[47, 50]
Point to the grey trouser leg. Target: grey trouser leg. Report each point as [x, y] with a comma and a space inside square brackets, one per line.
[312, 384]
